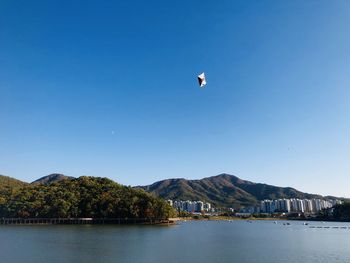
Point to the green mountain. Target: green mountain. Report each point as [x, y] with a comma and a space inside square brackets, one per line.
[85, 196]
[222, 190]
[52, 178]
[8, 183]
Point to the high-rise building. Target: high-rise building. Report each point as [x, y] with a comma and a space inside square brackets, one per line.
[309, 206]
[191, 206]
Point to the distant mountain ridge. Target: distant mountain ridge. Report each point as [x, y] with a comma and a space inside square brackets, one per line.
[222, 190]
[52, 178]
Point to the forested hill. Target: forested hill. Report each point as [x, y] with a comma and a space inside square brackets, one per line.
[222, 190]
[92, 197]
[7, 183]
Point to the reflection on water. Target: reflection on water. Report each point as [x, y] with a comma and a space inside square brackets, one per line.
[200, 241]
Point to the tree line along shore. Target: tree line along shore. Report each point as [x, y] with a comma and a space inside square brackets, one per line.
[83, 197]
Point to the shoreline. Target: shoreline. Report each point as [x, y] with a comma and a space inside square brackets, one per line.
[226, 218]
[85, 221]
[141, 221]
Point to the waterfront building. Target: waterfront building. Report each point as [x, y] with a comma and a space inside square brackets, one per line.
[295, 205]
[192, 206]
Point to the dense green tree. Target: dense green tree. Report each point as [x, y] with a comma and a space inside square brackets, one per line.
[82, 197]
[342, 211]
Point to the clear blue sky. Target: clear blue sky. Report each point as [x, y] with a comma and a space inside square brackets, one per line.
[109, 88]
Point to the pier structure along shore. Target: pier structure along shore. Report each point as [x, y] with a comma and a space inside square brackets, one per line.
[82, 221]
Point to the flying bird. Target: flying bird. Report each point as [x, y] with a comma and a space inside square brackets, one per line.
[201, 80]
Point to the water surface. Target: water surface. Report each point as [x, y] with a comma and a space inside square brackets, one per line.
[196, 241]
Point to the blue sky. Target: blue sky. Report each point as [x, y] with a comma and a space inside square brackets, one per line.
[109, 88]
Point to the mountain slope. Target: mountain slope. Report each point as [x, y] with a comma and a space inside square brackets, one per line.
[51, 178]
[8, 183]
[222, 190]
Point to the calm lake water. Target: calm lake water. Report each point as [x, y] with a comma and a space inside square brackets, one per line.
[200, 241]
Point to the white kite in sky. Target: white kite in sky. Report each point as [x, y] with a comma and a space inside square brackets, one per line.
[201, 80]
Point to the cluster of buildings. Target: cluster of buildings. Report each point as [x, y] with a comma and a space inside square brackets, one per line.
[292, 205]
[307, 206]
[191, 206]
